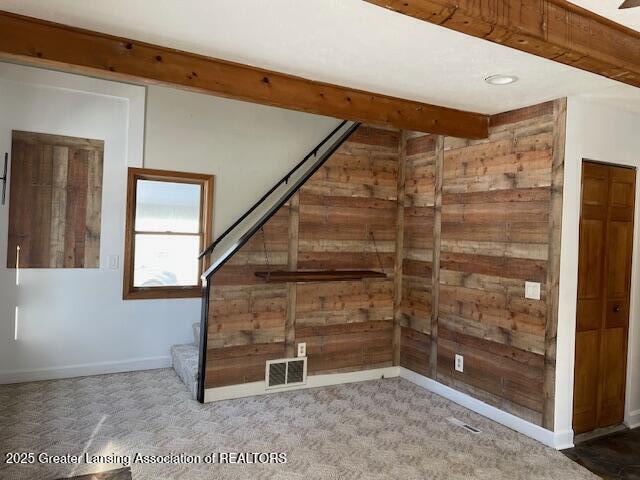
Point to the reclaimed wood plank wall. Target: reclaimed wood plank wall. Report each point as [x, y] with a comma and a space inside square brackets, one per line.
[343, 218]
[55, 201]
[498, 228]
[347, 221]
[459, 226]
[247, 317]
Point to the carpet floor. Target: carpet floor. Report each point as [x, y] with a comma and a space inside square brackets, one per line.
[382, 429]
[118, 474]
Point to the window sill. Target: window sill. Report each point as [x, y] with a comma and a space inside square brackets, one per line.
[159, 293]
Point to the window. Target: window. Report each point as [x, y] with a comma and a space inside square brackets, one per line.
[168, 224]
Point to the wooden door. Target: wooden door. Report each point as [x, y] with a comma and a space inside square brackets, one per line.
[604, 281]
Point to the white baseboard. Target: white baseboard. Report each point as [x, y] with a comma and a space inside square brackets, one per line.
[83, 370]
[557, 440]
[313, 381]
[634, 419]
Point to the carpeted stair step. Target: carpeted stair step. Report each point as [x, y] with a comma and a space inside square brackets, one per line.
[196, 334]
[185, 363]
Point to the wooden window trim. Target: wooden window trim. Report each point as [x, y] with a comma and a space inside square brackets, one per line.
[206, 219]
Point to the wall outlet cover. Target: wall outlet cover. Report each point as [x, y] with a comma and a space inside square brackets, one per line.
[459, 363]
[532, 290]
[302, 349]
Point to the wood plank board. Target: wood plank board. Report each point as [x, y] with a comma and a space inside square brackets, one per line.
[437, 247]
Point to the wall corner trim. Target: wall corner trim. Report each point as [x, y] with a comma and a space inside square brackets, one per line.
[558, 440]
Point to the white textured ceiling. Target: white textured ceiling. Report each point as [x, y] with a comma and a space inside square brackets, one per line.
[346, 42]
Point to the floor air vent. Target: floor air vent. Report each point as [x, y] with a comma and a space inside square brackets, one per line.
[286, 372]
[460, 423]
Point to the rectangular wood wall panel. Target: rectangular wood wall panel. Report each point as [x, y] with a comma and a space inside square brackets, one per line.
[55, 204]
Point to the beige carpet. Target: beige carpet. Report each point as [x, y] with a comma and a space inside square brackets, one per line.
[384, 429]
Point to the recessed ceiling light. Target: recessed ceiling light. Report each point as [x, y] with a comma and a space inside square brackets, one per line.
[501, 79]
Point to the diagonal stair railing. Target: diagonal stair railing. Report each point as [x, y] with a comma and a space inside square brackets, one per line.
[239, 233]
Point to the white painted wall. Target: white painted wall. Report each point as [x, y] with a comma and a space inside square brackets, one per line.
[247, 147]
[595, 131]
[74, 321]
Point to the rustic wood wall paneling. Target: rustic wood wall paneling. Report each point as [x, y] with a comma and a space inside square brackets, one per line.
[94, 208]
[418, 238]
[497, 204]
[416, 309]
[435, 269]
[415, 351]
[246, 328]
[267, 250]
[248, 319]
[76, 208]
[240, 364]
[397, 281]
[487, 211]
[329, 224]
[58, 206]
[348, 215]
[55, 201]
[553, 270]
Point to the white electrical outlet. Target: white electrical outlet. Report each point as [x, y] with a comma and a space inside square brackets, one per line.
[532, 290]
[302, 349]
[459, 363]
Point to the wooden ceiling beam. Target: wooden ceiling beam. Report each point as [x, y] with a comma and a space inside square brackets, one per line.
[553, 29]
[41, 43]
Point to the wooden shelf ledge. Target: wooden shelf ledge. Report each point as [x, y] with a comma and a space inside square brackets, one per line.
[280, 276]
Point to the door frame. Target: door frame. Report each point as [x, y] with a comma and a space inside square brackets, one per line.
[632, 330]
